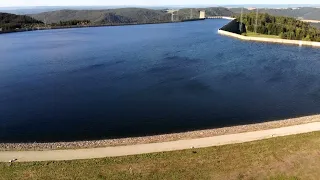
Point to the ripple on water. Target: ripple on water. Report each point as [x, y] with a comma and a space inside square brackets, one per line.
[98, 83]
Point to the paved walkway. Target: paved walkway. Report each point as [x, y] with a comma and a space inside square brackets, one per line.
[73, 154]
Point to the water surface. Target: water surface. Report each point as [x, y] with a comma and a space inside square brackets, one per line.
[109, 82]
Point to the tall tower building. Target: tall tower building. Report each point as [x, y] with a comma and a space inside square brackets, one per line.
[202, 14]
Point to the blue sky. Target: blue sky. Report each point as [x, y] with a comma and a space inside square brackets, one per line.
[8, 3]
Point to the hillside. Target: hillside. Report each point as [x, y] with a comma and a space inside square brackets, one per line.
[317, 25]
[126, 15]
[195, 12]
[302, 13]
[9, 22]
[123, 15]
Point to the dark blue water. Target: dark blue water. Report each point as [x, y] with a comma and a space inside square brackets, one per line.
[109, 82]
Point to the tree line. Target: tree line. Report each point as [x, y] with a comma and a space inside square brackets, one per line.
[72, 23]
[11, 22]
[285, 27]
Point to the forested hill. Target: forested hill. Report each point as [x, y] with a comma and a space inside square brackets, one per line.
[6, 18]
[285, 27]
[9, 22]
[118, 16]
[302, 13]
[126, 15]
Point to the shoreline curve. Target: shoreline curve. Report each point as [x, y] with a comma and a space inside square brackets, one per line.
[158, 138]
[76, 154]
[270, 40]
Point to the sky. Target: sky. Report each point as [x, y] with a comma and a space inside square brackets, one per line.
[15, 3]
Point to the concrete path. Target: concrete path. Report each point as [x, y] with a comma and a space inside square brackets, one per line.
[56, 155]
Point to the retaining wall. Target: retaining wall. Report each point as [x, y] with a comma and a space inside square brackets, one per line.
[234, 27]
[270, 40]
[220, 17]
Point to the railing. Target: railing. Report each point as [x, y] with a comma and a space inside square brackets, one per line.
[310, 21]
[220, 17]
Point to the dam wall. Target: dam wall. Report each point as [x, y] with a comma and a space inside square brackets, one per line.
[220, 17]
[269, 40]
[234, 27]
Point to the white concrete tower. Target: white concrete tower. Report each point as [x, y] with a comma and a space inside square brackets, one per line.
[202, 14]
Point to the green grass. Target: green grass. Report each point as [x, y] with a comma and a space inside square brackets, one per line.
[291, 157]
[252, 34]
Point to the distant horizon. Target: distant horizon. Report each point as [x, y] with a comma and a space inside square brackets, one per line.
[152, 3]
[39, 9]
[165, 6]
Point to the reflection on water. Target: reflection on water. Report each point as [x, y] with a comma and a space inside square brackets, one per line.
[94, 83]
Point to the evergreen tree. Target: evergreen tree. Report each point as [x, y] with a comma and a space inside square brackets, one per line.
[284, 27]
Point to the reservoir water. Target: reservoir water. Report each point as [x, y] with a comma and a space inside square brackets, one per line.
[110, 82]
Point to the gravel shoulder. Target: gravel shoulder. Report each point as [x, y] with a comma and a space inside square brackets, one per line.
[158, 138]
[74, 154]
